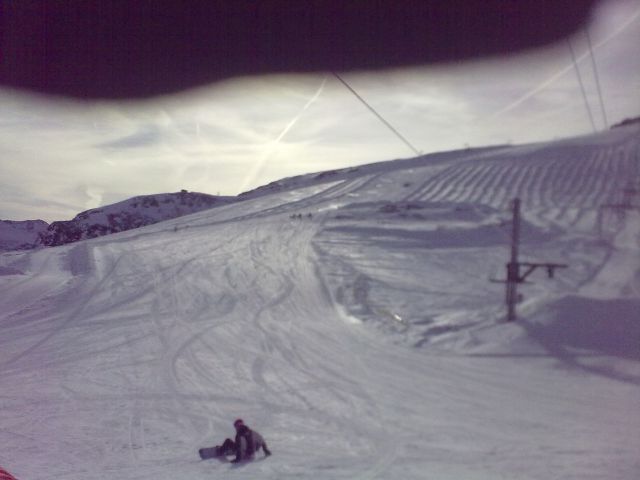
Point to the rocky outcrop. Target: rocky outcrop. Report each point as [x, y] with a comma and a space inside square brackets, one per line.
[627, 121]
[133, 213]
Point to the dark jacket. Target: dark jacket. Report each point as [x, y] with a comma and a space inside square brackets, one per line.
[248, 442]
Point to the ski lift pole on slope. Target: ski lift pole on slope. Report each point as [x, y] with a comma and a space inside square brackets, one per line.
[620, 209]
[517, 272]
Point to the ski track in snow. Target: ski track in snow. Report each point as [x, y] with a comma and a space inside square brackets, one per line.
[362, 339]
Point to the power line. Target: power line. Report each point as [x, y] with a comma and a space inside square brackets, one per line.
[584, 93]
[387, 124]
[597, 77]
[537, 89]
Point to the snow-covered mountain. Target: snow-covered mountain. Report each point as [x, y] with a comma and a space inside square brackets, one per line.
[349, 317]
[20, 235]
[133, 213]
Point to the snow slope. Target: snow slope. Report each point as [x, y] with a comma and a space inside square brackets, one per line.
[350, 320]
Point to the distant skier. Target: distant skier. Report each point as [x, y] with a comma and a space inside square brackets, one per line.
[247, 443]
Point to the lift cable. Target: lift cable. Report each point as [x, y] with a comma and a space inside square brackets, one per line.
[584, 93]
[597, 77]
[380, 117]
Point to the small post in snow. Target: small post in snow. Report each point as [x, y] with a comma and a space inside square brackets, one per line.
[620, 209]
[512, 266]
[514, 276]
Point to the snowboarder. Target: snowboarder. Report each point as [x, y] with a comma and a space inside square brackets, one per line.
[247, 442]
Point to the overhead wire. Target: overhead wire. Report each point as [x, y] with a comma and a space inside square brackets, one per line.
[538, 88]
[380, 117]
[584, 92]
[597, 78]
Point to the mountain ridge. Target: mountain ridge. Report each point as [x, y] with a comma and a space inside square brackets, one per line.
[127, 215]
[134, 212]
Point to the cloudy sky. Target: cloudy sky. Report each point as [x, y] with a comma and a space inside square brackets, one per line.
[60, 158]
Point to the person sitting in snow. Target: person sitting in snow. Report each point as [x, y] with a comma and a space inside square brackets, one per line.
[246, 444]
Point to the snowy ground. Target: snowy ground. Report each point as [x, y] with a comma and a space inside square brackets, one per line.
[363, 339]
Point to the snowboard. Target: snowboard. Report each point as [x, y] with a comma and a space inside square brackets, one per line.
[211, 452]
